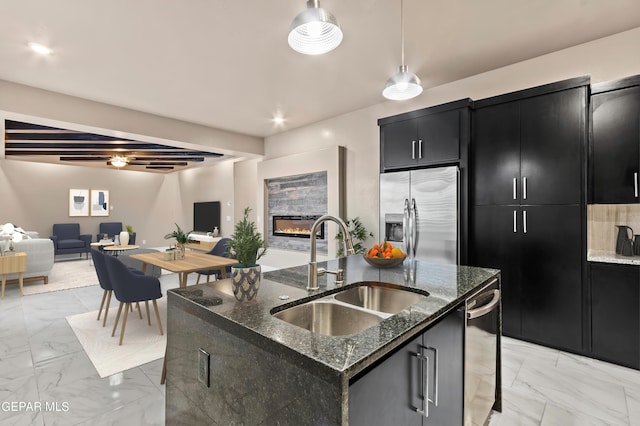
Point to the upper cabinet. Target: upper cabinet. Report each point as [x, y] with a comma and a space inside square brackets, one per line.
[430, 136]
[615, 142]
[528, 146]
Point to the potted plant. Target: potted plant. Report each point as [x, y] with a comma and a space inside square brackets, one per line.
[246, 246]
[358, 234]
[180, 236]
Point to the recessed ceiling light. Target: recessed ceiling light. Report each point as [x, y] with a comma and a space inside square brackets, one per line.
[40, 48]
[278, 120]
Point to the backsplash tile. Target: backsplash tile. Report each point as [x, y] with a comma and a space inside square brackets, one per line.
[602, 220]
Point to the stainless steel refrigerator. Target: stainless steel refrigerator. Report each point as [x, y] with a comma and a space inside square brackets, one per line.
[419, 209]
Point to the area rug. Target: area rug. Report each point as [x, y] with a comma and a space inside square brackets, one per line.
[141, 344]
[65, 275]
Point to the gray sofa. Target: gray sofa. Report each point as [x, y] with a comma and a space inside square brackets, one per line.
[39, 259]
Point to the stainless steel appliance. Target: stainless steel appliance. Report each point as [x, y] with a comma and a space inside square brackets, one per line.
[481, 349]
[419, 208]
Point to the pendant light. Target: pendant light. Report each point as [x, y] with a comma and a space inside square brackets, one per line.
[314, 31]
[403, 84]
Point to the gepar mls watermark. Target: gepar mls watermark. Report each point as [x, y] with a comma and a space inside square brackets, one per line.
[33, 406]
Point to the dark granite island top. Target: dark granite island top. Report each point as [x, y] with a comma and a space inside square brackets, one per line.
[245, 340]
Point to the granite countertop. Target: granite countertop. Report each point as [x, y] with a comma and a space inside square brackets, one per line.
[603, 256]
[448, 286]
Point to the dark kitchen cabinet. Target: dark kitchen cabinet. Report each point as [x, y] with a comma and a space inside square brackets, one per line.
[392, 392]
[615, 142]
[538, 250]
[527, 161]
[529, 151]
[615, 313]
[431, 136]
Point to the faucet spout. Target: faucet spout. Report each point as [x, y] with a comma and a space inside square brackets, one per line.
[312, 283]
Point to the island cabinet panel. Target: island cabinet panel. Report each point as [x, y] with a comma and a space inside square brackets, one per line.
[392, 392]
[615, 313]
[615, 144]
[527, 161]
[428, 137]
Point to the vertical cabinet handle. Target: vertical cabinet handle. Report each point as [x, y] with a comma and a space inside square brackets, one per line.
[524, 188]
[515, 188]
[515, 221]
[635, 183]
[435, 377]
[420, 149]
[413, 150]
[424, 362]
[524, 221]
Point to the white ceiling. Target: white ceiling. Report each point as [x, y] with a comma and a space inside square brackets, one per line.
[226, 63]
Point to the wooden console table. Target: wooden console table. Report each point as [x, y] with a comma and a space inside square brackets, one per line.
[16, 263]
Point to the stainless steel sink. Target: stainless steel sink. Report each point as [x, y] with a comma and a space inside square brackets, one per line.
[379, 298]
[328, 319]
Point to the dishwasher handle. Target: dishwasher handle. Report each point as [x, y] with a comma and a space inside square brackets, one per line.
[485, 309]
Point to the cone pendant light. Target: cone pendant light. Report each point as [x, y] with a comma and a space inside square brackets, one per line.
[403, 84]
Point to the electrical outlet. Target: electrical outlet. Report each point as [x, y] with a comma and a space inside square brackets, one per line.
[203, 367]
[144, 242]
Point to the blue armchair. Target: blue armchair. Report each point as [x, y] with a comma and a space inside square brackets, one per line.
[112, 229]
[132, 288]
[220, 249]
[68, 240]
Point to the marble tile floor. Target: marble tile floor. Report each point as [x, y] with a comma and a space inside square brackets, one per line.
[41, 361]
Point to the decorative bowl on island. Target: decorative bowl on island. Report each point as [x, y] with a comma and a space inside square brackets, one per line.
[381, 262]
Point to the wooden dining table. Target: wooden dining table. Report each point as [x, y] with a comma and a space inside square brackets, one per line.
[192, 262]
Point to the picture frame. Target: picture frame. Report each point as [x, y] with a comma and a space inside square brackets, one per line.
[78, 202]
[99, 202]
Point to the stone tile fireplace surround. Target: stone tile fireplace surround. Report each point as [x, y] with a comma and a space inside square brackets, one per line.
[303, 184]
[301, 197]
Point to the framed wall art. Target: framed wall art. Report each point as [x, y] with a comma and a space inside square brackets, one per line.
[99, 202]
[78, 202]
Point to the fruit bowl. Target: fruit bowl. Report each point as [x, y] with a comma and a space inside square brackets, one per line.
[380, 262]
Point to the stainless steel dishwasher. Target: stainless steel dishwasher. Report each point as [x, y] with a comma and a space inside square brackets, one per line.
[481, 345]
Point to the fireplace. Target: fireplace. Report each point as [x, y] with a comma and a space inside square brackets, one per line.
[296, 226]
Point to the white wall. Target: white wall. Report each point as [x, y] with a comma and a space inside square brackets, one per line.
[604, 59]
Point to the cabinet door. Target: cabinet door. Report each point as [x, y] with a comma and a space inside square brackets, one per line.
[495, 154]
[615, 313]
[443, 346]
[389, 393]
[551, 279]
[439, 138]
[615, 120]
[552, 135]
[399, 144]
[496, 245]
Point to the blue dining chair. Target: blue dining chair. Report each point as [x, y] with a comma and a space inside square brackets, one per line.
[103, 279]
[220, 249]
[129, 288]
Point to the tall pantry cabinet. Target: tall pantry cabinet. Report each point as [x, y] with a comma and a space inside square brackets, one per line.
[527, 191]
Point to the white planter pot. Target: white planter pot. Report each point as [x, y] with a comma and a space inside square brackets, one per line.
[245, 282]
[124, 238]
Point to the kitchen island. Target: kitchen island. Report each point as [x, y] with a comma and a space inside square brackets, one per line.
[235, 363]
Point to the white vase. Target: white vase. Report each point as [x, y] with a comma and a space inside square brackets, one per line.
[124, 238]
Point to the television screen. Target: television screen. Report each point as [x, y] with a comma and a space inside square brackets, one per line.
[206, 216]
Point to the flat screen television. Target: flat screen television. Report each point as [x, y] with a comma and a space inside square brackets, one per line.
[206, 216]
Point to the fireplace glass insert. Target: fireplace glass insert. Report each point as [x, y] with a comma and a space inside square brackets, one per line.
[296, 226]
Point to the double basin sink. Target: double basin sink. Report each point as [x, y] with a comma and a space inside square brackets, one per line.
[351, 310]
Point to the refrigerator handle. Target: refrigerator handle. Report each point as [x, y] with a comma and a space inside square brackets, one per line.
[414, 228]
[406, 223]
